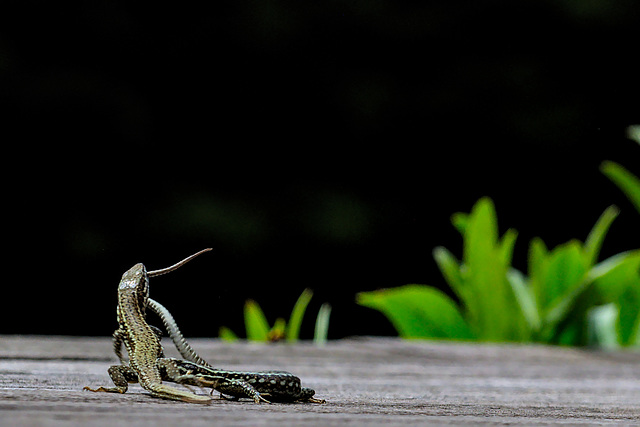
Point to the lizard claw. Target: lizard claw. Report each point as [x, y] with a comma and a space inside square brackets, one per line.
[259, 399]
[103, 389]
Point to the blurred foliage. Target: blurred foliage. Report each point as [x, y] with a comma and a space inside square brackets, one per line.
[567, 298]
[305, 132]
[625, 180]
[258, 329]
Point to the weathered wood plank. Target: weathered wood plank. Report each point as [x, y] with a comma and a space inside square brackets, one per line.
[370, 381]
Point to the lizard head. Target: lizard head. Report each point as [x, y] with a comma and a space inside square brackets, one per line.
[136, 280]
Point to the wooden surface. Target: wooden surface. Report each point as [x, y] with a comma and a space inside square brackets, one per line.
[366, 381]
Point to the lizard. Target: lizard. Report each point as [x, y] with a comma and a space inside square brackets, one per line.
[146, 356]
[277, 386]
[280, 386]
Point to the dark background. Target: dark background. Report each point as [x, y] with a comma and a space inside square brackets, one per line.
[318, 145]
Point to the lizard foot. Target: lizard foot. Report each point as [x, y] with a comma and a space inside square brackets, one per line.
[105, 389]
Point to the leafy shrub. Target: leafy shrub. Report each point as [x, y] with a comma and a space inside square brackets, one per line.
[560, 301]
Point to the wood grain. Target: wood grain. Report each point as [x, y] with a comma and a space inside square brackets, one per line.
[366, 381]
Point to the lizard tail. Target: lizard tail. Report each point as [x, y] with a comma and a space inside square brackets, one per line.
[175, 266]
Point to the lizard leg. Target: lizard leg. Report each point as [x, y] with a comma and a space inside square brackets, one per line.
[119, 336]
[306, 395]
[167, 369]
[240, 388]
[171, 372]
[118, 340]
[230, 398]
[121, 375]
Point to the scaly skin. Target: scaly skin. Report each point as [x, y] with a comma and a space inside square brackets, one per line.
[148, 366]
[141, 342]
[277, 386]
[178, 339]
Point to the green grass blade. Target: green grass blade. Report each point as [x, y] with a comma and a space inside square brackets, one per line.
[227, 334]
[295, 321]
[595, 238]
[322, 324]
[255, 322]
[625, 180]
[278, 330]
[418, 311]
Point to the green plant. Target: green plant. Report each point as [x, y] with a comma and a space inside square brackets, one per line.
[258, 329]
[625, 180]
[618, 323]
[496, 302]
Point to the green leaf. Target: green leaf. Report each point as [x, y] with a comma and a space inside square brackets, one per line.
[526, 299]
[602, 326]
[596, 236]
[538, 258]
[450, 269]
[295, 321]
[617, 280]
[564, 282]
[481, 234]
[277, 331]
[507, 245]
[567, 319]
[538, 264]
[565, 269]
[613, 275]
[227, 334]
[493, 311]
[418, 311]
[482, 273]
[460, 221]
[625, 180]
[322, 324]
[560, 311]
[628, 322]
[255, 322]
